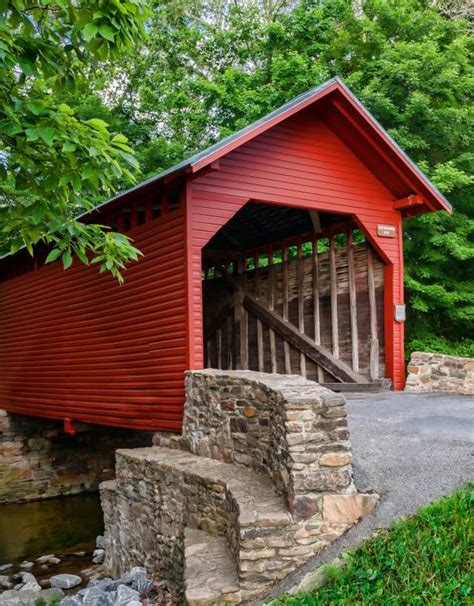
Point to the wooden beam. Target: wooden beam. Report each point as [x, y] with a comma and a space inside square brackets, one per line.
[271, 305]
[230, 340]
[243, 320]
[316, 305]
[237, 353]
[408, 202]
[374, 386]
[353, 302]
[374, 340]
[260, 351]
[316, 220]
[286, 295]
[316, 353]
[300, 278]
[218, 255]
[333, 290]
[219, 347]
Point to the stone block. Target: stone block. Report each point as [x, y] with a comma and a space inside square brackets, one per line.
[335, 459]
[347, 508]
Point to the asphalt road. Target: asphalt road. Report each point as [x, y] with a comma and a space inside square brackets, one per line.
[411, 449]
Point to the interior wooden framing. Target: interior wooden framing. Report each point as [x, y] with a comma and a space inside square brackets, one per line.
[311, 303]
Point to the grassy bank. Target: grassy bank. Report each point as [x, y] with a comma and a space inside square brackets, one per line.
[426, 559]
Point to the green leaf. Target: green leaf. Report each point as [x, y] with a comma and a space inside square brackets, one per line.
[53, 255]
[119, 139]
[89, 31]
[37, 108]
[48, 134]
[69, 146]
[98, 124]
[67, 258]
[32, 134]
[107, 32]
[82, 256]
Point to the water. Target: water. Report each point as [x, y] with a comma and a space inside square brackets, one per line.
[60, 526]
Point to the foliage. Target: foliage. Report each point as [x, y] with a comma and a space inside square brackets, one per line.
[212, 66]
[423, 559]
[52, 162]
[209, 67]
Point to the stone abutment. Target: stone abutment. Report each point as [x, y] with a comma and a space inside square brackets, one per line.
[259, 481]
[39, 460]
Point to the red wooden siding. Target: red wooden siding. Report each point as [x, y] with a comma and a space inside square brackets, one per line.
[77, 345]
[300, 162]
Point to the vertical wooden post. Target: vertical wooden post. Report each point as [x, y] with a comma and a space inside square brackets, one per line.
[219, 347]
[374, 340]
[230, 340]
[285, 287]
[353, 302]
[271, 305]
[333, 289]
[316, 306]
[260, 356]
[236, 326]
[300, 273]
[243, 318]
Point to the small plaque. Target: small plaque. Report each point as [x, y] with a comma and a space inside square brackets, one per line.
[386, 231]
[400, 313]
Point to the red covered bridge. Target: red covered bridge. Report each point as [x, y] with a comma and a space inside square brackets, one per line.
[279, 249]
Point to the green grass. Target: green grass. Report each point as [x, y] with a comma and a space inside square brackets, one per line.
[421, 560]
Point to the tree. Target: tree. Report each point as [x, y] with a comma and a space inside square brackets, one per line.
[209, 67]
[52, 163]
[212, 67]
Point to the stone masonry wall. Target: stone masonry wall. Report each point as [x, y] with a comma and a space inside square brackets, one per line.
[440, 373]
[287, 427]
[38, 460]
[264, 464]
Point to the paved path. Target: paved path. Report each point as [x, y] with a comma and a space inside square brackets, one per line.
[411, 449]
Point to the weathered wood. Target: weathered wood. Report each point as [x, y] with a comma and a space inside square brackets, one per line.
[237, 331]
[219, 347]
[316, 220]
[333, 288]
[374, 341]
[243, 320]
[353, 303]
[271, 305]
[230, 340]
[303, 343]
[316, 304]
[373, 386]
[216, 295]
[211, 327]
[301, 306]
[285, 287]
[260, 350]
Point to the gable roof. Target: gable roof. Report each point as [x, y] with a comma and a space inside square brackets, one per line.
[352, 111]
[426, 196]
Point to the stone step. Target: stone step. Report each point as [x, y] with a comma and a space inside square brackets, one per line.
[251, 496]
[210, 571]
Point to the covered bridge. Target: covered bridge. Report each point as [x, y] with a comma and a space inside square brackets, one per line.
[279, 249]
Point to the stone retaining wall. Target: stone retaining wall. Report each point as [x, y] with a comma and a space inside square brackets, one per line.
[287, 427]
[264, 464]
[161, 492]
[38, 460]
[440, 373]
